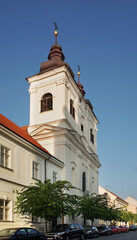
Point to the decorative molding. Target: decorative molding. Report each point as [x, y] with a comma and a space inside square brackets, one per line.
[33, 90]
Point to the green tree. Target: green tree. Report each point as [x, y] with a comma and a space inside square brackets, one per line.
[111, 213]
[92, 207]
[96, 207]
[124, 216]
[135, 218]
[46, 200]
[131, 217]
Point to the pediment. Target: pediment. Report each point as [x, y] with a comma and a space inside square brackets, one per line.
[44, 129]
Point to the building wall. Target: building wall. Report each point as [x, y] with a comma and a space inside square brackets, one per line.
[59, 132]
[60, 84]
[19, 174]
[132, 204]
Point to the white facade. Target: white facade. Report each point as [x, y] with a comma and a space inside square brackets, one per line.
[113, 199]
[21, 163]
[65, 136]
[132, 204]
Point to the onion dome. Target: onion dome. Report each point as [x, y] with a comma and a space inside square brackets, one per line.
[55, 58]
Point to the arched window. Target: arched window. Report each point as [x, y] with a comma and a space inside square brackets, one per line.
[73, 176]
[46, 102]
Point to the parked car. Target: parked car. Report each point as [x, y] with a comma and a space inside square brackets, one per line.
[90, 232]
[115, 229]
[104, 230]
[124, 229]
[132, 228]
[21, 233]
[67, 232]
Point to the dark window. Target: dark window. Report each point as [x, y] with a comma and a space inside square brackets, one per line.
[82, 128]
[91, 136]
[84, 181]
[72, 109]
[35, 219]
[46, 102]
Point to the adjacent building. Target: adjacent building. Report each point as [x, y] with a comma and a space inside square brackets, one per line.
[113, 199]
[132, 204]
[23, 161]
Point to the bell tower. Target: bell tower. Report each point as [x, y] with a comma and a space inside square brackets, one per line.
[49, 89]
[62, 120]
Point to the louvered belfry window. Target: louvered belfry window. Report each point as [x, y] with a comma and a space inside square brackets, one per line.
[46, 102]
[72, 109]
[91, 136]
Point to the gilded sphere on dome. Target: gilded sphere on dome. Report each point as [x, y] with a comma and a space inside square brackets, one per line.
[78, 73]
[55, 33]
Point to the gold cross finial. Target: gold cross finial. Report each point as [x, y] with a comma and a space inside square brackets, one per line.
[55, 32]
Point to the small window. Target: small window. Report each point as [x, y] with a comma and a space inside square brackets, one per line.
[46, 102]
[4, 157]
[82, 128]
[84, 181]
[35, 170]
[4, 210]
[54, 177]
[35, 219]
[72, 109]
[91, 136]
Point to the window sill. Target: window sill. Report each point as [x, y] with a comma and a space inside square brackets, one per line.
[47, 111]
[6, 168]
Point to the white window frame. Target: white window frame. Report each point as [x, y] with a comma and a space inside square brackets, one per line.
[5, 161]
[35, 170]
[54, 176]
[5, 210]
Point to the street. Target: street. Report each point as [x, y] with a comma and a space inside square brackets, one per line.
[122, 236]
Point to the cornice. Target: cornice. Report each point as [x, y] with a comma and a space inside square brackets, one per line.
[74, 142]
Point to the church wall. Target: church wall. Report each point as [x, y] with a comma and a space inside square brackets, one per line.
[69, 130]
[63, 88]
[52, 85]
[75, 162]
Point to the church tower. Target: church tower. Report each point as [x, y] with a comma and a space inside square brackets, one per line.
[62, 120]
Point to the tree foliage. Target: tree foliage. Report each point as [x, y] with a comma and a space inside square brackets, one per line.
[126, 216]
[92, 207]
[52, 200]
[46, 200]
[96, 207]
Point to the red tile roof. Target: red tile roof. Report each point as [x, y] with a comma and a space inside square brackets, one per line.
[20, 132]
[24, 128]
[117, 196]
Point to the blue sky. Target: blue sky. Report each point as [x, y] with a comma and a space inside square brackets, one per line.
[100, 36]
